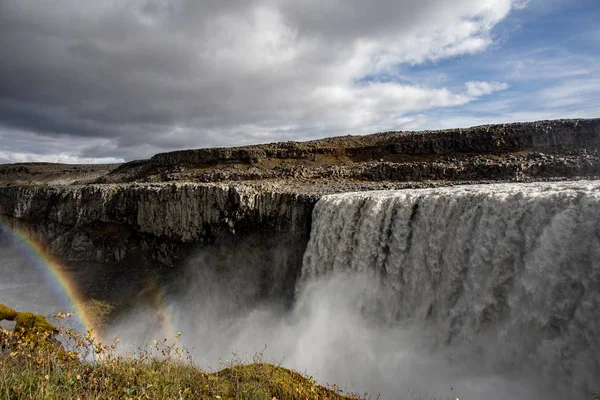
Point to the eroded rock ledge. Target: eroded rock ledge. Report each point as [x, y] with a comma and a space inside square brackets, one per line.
[541, 136]
[184, 212]
[519, 151]
[118, 222]
[111, 233]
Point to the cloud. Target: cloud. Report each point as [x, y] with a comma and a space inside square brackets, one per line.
[477, 89]
[140, 76]
[62, 158]
[21, 146]
[521, 4]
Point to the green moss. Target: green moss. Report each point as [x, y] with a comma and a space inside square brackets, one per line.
[29, 322]
[261, 380]
[26, 321]
[7, 313]
[28, 185]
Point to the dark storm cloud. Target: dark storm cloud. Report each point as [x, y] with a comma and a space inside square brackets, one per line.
[136, 77]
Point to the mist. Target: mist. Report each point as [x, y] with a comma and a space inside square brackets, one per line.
[341, 329]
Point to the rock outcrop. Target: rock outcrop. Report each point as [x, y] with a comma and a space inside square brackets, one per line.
[252, 205]
[540, 136]
[182, 212]
[131, 229]
[519, 151]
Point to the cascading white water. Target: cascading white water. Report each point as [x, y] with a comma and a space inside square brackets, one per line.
[511, 271]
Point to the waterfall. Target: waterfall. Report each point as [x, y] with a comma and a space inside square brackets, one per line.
[509, 271]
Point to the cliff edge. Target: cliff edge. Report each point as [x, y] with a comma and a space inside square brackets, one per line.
[560, 149]
[113, 225]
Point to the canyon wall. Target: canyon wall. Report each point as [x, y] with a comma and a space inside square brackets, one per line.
[256, 201]
[126, 230]
[510, 152]
[532, 136]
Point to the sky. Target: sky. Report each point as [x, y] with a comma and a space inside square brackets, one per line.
[118, 80]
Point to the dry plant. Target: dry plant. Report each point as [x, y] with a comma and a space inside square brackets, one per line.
[47, 362]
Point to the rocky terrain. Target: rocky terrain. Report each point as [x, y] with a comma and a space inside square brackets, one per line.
[255, 202]
[51, 173]
[561, 149]
[493, 152]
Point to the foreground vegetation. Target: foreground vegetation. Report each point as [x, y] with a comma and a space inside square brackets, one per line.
[41, 361]
[34, 364]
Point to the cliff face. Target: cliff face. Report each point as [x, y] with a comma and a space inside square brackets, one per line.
[541, 150]
[519, 151]
[254, 207]
[181, 212]
[142, 228]
[538, 136]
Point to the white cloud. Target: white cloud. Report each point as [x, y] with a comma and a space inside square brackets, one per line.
[477, 89]
[572, 93]
[10, 157]
[141, 76]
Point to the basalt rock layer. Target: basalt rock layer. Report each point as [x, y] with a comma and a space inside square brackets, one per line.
[519, 151]
[253, 204]
[128, 230]
[543, 135]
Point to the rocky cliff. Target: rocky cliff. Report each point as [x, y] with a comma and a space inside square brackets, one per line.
[253, 204]
[132, 230]
[519, 151]
[540, 136]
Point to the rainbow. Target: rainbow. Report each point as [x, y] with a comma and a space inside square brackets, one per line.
[165, 318]
[60, 277]
[73, 295]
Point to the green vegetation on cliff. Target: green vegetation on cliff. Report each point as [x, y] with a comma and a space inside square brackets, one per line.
[26, 322]
[7, 313]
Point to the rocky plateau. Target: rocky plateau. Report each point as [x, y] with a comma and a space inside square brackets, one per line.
[114, 226]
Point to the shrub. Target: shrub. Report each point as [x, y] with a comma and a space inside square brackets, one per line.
[33, 365]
